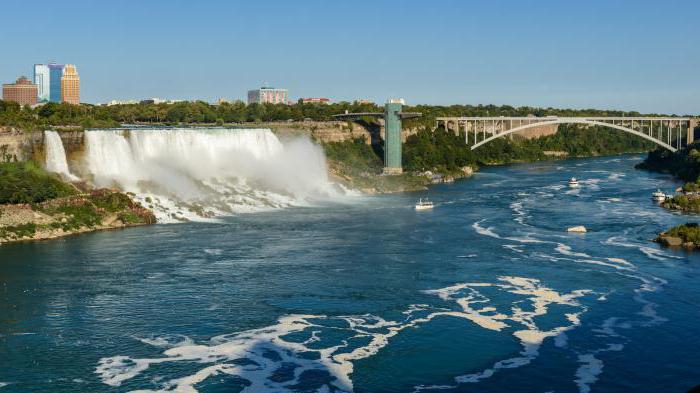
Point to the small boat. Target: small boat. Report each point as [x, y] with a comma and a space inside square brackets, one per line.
[424, 204]
[658, 196]
[573, 183]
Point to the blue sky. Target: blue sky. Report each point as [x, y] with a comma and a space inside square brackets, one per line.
[632, 55]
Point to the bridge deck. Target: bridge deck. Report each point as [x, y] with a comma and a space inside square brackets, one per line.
[546, 118]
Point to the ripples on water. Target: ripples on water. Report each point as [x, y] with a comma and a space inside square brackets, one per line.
[485, 293]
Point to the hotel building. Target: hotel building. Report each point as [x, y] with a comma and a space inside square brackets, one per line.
[70, 85]
[267, 95]
[23, 92]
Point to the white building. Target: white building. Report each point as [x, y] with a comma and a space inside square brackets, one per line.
[41, 80]
[267, 95]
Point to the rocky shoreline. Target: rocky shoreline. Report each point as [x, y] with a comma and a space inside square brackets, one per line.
[100, 209]
[686, 236]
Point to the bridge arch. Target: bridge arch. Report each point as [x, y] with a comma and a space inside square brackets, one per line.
[557, 121]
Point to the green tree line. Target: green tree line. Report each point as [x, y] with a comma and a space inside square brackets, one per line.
[200, 112]
[446, 151]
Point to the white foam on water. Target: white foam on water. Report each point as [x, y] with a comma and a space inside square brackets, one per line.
[514, 247]
[520, 214]
[587, 373]
[566, 250]
[591, 367]
[616, 176]
[484, 231]
[336, 356]
[168, 341]
[490, 233]
[532, 337]
[654, 253]
[198, 174]
[56, 161]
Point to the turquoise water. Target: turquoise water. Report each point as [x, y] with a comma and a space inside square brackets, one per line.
[486, 293]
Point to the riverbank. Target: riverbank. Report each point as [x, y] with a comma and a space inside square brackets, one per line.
[36, 205]
[685, 235]
[357, 165]
[684, 165]
[99, 210]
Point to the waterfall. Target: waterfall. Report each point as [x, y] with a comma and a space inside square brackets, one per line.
[195, 174]
[56, 155]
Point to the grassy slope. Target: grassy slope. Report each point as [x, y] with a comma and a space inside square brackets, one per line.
[59, 206]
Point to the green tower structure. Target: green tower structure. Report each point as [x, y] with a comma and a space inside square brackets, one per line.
[393, 116]
[392, 138]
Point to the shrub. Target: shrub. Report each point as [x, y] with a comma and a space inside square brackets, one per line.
[27, 182]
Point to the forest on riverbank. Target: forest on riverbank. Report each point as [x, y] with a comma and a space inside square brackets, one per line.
[200, 112]
[684, 164]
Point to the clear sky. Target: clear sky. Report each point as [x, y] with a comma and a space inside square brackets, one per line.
[633, 55]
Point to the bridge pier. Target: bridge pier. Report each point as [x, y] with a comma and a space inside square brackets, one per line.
[690, 137]
[392, 116]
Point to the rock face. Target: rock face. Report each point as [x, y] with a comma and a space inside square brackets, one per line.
[17, 145]
[467, 170]
[577, 229]
[672, 241]
[336, 131]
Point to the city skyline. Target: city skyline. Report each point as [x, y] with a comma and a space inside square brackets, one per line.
[623, 55]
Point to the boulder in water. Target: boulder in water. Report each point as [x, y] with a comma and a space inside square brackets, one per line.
[577, 229]
[670, 241]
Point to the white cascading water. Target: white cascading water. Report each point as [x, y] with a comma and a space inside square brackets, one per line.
[194, 174]
[56, 155]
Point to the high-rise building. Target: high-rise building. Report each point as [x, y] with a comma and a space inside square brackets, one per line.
[23, 91]
[55, 75]
[41, 80]
[267, 95]
[70, 85]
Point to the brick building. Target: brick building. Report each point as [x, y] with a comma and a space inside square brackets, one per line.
[23, 91]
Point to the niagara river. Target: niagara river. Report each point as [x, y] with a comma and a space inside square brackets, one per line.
[485, 293]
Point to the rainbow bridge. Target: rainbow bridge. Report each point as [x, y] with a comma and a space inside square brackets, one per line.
[671, 133]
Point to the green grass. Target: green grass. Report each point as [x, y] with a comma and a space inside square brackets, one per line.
[85, 215]
[689, 232]
[111, 202]
[18, 230]
[355, 154]
[130, 218]
[683, 203]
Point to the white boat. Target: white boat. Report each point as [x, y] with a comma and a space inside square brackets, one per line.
[424, 204]
[573, 183]
[658, 196]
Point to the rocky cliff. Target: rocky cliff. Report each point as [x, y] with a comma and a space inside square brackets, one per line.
[22, 146]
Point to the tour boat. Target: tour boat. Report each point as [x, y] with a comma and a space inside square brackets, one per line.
[658, 196]
[573, 183]
[424, 204]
